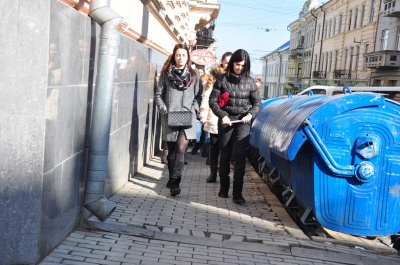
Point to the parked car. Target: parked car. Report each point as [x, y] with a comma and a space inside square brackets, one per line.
[389, 92]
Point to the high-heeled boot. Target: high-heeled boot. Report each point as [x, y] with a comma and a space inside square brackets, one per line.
[171, 163]
[176, 178]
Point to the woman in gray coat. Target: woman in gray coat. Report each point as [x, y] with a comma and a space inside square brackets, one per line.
[178, 90]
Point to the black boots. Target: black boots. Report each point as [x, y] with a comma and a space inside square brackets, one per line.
[176, 178]
[237, 193]
[174, 186]
[224, 188]
[213, 157]
[170, 163]
[213, 176]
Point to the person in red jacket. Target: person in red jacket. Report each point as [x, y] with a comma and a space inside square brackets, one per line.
[235, 100]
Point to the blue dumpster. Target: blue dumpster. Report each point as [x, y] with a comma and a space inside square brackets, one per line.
[339, 155]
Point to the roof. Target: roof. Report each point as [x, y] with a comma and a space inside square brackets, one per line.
[284, 47]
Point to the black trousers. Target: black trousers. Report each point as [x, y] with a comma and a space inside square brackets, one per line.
[236, 136]
[213, 152]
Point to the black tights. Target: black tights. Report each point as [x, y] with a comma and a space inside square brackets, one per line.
[176, 150]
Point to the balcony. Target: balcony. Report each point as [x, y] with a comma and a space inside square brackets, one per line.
[319, 74]
[293, 79]
[390, 9]
[382, 59]
[341, 74]
[297, 51]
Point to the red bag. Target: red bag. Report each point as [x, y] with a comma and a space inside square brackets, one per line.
[223, 99]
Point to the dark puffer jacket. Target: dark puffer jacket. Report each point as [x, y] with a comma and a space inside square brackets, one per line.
[244, 98]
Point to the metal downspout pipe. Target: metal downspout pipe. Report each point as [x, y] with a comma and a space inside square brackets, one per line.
[110, 36]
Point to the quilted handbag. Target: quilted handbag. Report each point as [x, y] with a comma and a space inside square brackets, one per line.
[180, 118]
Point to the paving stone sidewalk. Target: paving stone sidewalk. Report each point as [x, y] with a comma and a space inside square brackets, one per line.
[197, 227]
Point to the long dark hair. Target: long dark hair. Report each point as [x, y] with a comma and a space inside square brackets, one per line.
[238, 56]
[171, 59]
[225, 55]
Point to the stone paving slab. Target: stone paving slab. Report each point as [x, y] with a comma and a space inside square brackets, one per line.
[197, 227]
[102, 243]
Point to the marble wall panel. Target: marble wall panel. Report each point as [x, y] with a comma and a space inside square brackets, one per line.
[23, 78]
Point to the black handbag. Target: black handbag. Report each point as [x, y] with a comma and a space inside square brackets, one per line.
[180, 118]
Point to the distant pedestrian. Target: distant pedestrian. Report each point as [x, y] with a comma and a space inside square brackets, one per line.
[208, 118]
[164, 159]
[178, 90]
[201, 134]
[235, 100]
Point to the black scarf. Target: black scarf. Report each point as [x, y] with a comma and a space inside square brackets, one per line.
[180, 78]
[234, 78]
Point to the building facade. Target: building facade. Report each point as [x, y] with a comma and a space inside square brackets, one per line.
[275, 65]
[340, 42]
[298, 35]
[344, 32]
[384, 61]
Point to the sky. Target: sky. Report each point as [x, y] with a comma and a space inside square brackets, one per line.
[257, 26]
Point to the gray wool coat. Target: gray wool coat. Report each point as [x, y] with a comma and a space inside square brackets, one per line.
[168, 98]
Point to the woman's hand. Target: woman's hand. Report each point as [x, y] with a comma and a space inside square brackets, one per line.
[247, 118]
[226, 120]
[203, 121]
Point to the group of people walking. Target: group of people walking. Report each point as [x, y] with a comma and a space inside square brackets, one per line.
[225, 105]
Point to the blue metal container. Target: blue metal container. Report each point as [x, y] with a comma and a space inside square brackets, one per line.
[339, 155]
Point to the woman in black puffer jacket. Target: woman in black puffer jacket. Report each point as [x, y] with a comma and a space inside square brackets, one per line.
[235, 100]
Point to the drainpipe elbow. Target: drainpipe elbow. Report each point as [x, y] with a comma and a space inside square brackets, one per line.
[101, 208]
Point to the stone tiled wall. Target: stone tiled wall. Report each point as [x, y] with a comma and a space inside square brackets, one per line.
[23, 78]
[49, 53]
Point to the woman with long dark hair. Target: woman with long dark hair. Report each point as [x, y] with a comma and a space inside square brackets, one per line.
[235, 100]
[208, 118]
[178, 90]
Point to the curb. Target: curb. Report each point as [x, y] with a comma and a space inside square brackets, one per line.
[347, 256]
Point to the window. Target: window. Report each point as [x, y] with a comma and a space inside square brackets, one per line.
[319, 32]
[384, 39]
[330, 60]
[336, 59]
[326, 29]
[321, 66]
[340, 23]
[330, 29]
[345, 59]
[372, 11]
[357, 57]
[326, 62]
[350, 17]
[366, 50]
[300, 69]
[351, 58]
[362, 16]
[355, 18]
[334, 27]
[319, 91]
[398, 39]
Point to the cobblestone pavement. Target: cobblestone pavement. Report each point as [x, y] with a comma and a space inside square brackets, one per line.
[197, 227]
